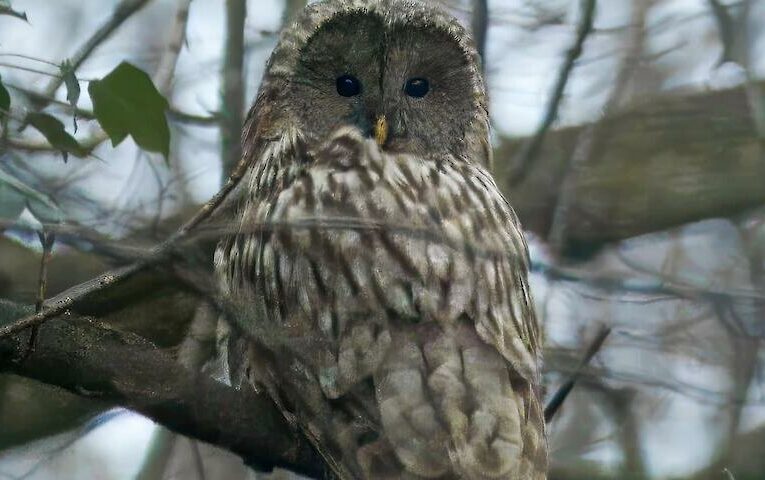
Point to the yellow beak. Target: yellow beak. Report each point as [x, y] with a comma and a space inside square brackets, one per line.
[381, 130]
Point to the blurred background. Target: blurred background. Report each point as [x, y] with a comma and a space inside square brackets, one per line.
[628, 135]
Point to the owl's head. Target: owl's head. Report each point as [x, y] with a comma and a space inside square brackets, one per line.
[404, 73]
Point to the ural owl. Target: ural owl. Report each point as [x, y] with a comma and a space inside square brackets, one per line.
[378, 274]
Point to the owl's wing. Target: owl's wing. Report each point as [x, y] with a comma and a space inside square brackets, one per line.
[457, 390]
[409, 273]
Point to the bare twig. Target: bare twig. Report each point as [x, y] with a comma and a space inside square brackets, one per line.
[161, 252]
[124, 10]
[232, 108]
[661, 286]
[47, 240]
[560, 395]
[530, 150]
[82, 238]
[69, 298]
[88, 144]
[172, 112]
[121, 13]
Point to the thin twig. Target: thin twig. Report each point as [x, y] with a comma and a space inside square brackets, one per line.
[30, 58]
[31, 70]
[82, 238]
[88, 145]
[47, 239]
[162, 77]
[173, 113]
[122, 12]
[674, 287]
[560, 395]
[67, 299]
[530, 150]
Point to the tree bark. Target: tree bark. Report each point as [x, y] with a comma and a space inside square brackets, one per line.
[669, 161]
[80, 355]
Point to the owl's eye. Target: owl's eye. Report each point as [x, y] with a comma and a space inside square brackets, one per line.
[348, 85]
[417, 87]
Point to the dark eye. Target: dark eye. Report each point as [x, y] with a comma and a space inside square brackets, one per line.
[348, 86]
[417, 87]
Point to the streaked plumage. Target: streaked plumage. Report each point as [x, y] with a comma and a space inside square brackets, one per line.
[383, 291]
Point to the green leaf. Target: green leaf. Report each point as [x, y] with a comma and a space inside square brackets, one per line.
[5, 9]
[11, 201]
[15, 195]
[5, 101]
[72, 88]
[54, 132]
[126, 102]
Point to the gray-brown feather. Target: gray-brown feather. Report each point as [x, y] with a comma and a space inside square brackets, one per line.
[384, 291]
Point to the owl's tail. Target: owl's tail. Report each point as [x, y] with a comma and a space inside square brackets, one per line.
[451, 407]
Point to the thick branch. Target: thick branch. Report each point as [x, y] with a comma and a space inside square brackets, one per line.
[671, 160]
[173, 113]
[81, 356]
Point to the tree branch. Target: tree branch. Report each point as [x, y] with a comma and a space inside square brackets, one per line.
[81, 356]
[669, 160]
[122, 12]
[560, 395]
[173, 113]
[160, 253]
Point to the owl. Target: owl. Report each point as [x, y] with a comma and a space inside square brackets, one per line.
[377, 274]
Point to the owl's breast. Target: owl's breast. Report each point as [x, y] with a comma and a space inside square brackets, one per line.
[361, 237]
